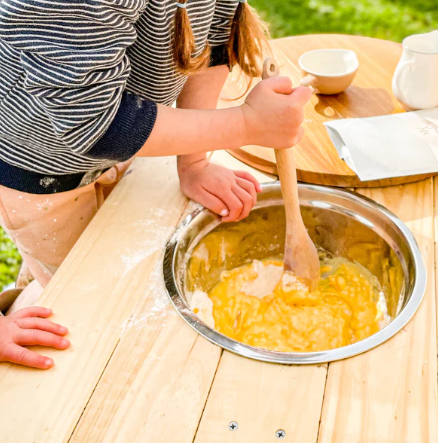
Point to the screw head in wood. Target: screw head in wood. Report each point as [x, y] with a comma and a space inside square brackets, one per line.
[280, 434]
[232, 426]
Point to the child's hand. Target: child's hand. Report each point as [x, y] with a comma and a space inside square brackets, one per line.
[273, 113]
[29, 327]
[230, 194]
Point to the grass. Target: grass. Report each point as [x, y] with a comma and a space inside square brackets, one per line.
[390, 20]
[10, 260]
[386, 19]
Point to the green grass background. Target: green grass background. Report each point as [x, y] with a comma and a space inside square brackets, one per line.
[10, 260]
[387, 19]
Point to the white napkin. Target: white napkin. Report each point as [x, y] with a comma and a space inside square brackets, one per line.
[389, 146]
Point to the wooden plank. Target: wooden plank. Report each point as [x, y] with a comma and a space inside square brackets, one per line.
[390, 393]
[263, 398]
[93, 294]
[223, 158]
[435, 216]
[156, 384]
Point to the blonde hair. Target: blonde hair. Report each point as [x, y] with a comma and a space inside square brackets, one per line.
[249, 35]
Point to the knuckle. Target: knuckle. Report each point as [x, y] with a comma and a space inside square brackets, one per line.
[34, 335]
[21, 355]
[239, 205]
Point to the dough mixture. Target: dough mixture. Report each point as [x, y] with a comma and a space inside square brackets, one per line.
[262, 306]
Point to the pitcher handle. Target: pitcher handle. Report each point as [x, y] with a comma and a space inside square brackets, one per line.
[398, 75]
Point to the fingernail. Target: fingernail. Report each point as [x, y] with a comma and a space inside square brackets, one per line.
[64, 342]
[63, 329]
[224, 213]
[48, 362]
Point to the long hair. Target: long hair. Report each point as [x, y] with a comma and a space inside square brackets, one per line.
[183, 44]
[249, 36]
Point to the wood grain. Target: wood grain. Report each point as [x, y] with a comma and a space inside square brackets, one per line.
[223, 158]
[435, 217]
[370, 95]
[93, 294]
[156, 384]
[300, 255]
[263, 398]
[390, 393]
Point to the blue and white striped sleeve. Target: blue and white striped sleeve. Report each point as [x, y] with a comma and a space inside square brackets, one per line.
[74, 57]
[220, 31]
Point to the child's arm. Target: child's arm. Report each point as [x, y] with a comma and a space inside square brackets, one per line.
[76, 67]
[29, 327]
[271, 116]
[231, 194]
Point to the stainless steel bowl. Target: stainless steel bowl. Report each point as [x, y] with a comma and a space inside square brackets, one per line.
[341, 222]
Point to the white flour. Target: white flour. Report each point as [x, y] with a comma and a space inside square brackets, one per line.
[267, 279]
[202, 306]
[291, 283]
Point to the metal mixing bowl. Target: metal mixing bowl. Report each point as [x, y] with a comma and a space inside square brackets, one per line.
[341, 222]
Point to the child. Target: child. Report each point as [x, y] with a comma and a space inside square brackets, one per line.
[86, 86]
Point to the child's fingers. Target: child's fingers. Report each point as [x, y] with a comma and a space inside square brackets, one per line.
[249, 188]
[22, 356]
[246, 200]
[280, 84]
[301, 95]
[41, 324]
[235, 205]
[249, 177]
[33, 311]
[213, 203]
[31, 337]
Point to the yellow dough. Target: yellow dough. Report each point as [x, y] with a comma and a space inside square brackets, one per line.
[261, 306]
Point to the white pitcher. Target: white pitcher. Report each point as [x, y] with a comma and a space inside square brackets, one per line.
[415, 82]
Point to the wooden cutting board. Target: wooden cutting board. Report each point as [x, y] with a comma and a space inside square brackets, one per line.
[369, 95]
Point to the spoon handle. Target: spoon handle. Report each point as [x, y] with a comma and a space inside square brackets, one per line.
[288, 178]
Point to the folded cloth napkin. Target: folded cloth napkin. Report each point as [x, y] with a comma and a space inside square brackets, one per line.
[388, 146]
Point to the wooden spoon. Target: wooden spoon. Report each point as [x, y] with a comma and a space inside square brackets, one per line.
[300, 254]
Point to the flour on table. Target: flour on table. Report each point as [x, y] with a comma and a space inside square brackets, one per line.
[266, 281]
[202, 306]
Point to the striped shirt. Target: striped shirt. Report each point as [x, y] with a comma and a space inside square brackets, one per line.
[80, 80]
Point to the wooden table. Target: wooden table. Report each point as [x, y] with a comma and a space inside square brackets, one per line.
[137, 373]
[369, 95]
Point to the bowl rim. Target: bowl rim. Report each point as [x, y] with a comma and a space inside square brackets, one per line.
[299, 358]
[329, 50]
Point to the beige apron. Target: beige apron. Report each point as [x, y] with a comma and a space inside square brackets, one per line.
[45, 227]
